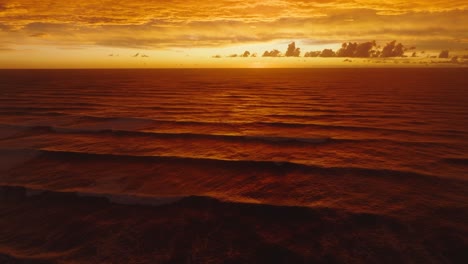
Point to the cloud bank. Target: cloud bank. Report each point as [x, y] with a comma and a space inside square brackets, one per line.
[368, 49]
[190, 23]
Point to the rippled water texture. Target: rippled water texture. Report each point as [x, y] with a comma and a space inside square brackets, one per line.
[391, 142]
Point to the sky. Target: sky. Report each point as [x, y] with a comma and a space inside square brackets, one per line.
[188, 33]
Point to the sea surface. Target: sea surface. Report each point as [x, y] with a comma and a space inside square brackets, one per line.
[386, 145]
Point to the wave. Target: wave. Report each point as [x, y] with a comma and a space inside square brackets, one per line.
[102, 122]
[10, 259]
[47, 109]
[225, 137]
[64, 227]
[35, 114]
[456, 161]
[276, 140]
[273, 167]
[18, 193]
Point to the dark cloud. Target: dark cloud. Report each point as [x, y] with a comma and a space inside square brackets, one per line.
[347, 50]
[358, 50]
[368, 49]
[273, 53]
[39, 35]
[444, 54]
[292, 51]
[392, 49]
[140, 55]
[246, 54]
[362, 50]
[217, 56]
[40, 27]
[312, 54]
[326, 53]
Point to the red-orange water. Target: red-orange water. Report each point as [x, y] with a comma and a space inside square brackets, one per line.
[387, 142]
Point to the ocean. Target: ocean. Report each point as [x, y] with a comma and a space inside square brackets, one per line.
[240, 165]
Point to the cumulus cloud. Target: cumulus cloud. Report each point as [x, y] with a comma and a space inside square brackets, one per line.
[348, 49]
[392, 49]
[359, 50]
[246, 54]
[312, 54]
[326, 53]
[368, 49]
[444, 54]
[273, 53]
[292, 51]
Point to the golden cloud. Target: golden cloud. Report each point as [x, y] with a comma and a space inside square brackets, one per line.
[179, 23]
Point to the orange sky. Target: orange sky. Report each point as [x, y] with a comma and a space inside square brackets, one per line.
[187, 33]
